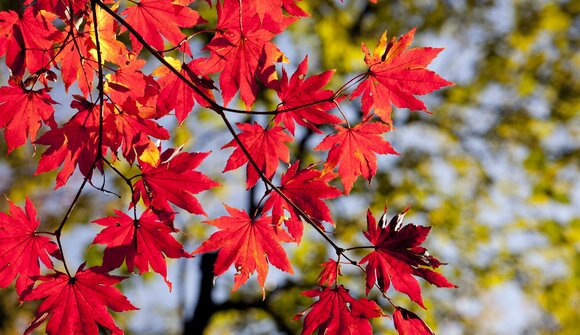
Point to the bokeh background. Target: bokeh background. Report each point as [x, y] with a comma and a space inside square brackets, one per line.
[495, 170]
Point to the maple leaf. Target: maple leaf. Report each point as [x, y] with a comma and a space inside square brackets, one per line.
[21, 112]
[78, 305]
[305, 188]
[329, 274]
[60, 7]
[132, 133]
[173, 180]
[107, 26]
[131, 91]
[266, 146]
[241, 50]
[78, 53]
[353, 151]
[154, 18]
[274, 8]
[408, 323]
[396, 74]
[74, 144]
[127, 82]
[398, 256]
[27, 40]
[21, 247]
[75, 63]
[142, 243]
[337, 312]
[176, 94]
[250, 244]
[299, 91]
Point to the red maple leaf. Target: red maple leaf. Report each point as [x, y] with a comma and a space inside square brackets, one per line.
[131, 130]
[27, 40]
[242, 51]
[299, 91]
[398, 256]
[108, 27]
[22, 112]
[154, 18]
[75, 143]
[73, 67]
[21, 247]
[77, 55]
[408, 323]
[176, 94]
[396, 74]
[135, 93]
[336, 312]
[305, 188]
[274, 8]
[173, 180]
[250, 244]
[134, 96]
[142, 243]
[60, 7]
[266, 146]
[132, 133]
[329, 274]
[128, 81]
[79, 304]
[354, 151]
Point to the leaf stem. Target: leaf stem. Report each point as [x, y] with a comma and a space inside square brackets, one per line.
[361, 247]
[353, 81]
[58, 231]
[342, 113]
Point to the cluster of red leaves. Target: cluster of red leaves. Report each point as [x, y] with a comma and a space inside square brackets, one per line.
[115, 120]
[397, 256]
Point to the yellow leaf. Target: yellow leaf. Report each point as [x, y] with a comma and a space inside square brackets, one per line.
[150, 155]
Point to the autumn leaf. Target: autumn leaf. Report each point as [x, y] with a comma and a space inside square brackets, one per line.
[329, 274]
[336, 312]
[176, 94]
[354, 151]
[249, 244]
[128, 81]
[274, 8]
[130, 131]
[242, 50]
[408, 323]
[110, 47]
[78, 53]
[79, 304]
[61, 8]
[27, 40]
[74, 144]
[305, 188]
[266, 147]
[299, 91]
[21, 247]
[173, 180]
[141, 243]
[396, 74]
[398, 256]
[75, 63]
[22, 112]
[134, 95]
[132, 134]
[155, 19]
